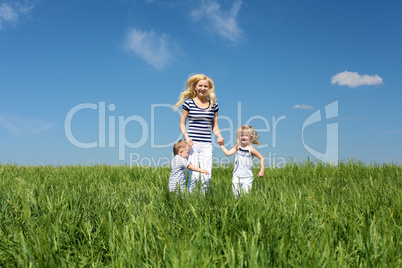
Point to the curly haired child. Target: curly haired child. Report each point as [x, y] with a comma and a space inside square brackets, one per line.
[242, 174]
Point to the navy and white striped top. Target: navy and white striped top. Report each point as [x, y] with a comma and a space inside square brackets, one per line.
[199, 120]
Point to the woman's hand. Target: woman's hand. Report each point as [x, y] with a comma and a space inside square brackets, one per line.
[189, 141]
[221, 141]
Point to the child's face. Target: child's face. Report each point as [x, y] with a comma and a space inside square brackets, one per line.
[184, 152]
[244, 138]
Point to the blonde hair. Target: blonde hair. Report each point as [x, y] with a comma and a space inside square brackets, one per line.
[251, 131]
[180, 145]
[190, 93]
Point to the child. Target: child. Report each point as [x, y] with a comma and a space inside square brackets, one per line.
[242, 173]
[181, 150]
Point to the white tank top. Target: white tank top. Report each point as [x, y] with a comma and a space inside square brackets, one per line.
[243, 163]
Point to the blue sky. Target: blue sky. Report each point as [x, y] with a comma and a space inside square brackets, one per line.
[88, 82]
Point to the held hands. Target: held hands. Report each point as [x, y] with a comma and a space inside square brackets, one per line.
[221, 141]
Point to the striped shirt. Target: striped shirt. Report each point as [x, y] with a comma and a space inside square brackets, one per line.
[199, 120]
[178, 174]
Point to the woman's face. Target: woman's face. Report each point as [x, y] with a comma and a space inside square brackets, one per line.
[202, 88]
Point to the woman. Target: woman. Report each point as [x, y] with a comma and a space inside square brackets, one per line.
[201, 110]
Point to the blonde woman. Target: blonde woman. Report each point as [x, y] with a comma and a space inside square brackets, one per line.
[242, 180]
[199, 106]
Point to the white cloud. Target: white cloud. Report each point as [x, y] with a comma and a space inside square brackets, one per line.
[149, 46]
[353, 79]
[303, 107]
[218, 21]
[13, 13]
[7, 15]
[20, 126]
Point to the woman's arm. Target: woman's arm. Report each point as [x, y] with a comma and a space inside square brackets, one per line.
[215, 129]
[230, 152]
[255, 153]
[182, 126]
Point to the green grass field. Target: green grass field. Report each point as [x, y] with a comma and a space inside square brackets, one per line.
[306, 214]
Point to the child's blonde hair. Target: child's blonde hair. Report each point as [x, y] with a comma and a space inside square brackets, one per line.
[180, 145]
[251, 131]
[190, 93]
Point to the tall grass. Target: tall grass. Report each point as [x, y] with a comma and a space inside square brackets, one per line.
[305, 214]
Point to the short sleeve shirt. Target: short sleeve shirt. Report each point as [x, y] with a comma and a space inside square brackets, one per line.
[200, 120]
[178, 173]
